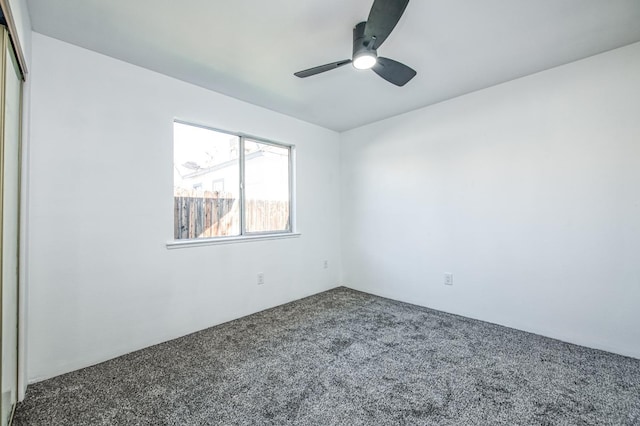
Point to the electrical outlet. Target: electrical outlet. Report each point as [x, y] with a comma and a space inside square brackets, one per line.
[325, 264]
[448, 278]
[260, 278]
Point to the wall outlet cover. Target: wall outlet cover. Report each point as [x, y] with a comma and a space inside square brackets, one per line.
[448, 278]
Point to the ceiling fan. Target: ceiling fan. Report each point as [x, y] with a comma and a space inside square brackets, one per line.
[367, 38]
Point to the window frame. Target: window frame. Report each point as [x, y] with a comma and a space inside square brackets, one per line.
[244, 235]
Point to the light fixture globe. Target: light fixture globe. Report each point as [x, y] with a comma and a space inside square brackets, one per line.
[365, 60]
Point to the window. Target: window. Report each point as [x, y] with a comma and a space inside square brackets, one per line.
[229, 185]
[218, 185]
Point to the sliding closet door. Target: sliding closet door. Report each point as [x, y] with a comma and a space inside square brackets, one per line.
[10, 106]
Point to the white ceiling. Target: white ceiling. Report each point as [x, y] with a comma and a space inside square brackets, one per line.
[249, 49]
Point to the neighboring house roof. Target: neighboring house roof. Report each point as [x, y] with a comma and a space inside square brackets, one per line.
[224, 165]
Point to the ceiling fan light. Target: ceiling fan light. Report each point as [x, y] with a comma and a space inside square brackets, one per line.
[364, 61]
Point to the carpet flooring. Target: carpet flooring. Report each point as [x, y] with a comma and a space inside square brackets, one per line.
[347, 358]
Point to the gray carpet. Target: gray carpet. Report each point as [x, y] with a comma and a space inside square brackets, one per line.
[347, 358]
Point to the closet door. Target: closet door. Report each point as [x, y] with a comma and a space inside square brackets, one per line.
[10, 106]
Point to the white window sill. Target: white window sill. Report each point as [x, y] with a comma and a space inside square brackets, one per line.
[177, 244]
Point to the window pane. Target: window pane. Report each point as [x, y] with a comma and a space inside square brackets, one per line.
[206, 186]
[266, 187]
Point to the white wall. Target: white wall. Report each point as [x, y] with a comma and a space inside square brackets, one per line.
[101, 280]
[529, 192]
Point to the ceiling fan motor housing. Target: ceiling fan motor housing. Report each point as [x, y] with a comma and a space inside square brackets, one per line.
[361, 44]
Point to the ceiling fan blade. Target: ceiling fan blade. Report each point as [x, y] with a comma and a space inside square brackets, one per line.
[393, 71]
[321, 68]
[383, 18]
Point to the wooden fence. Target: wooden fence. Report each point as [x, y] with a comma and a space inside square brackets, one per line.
[266, 215]
[216, 215]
